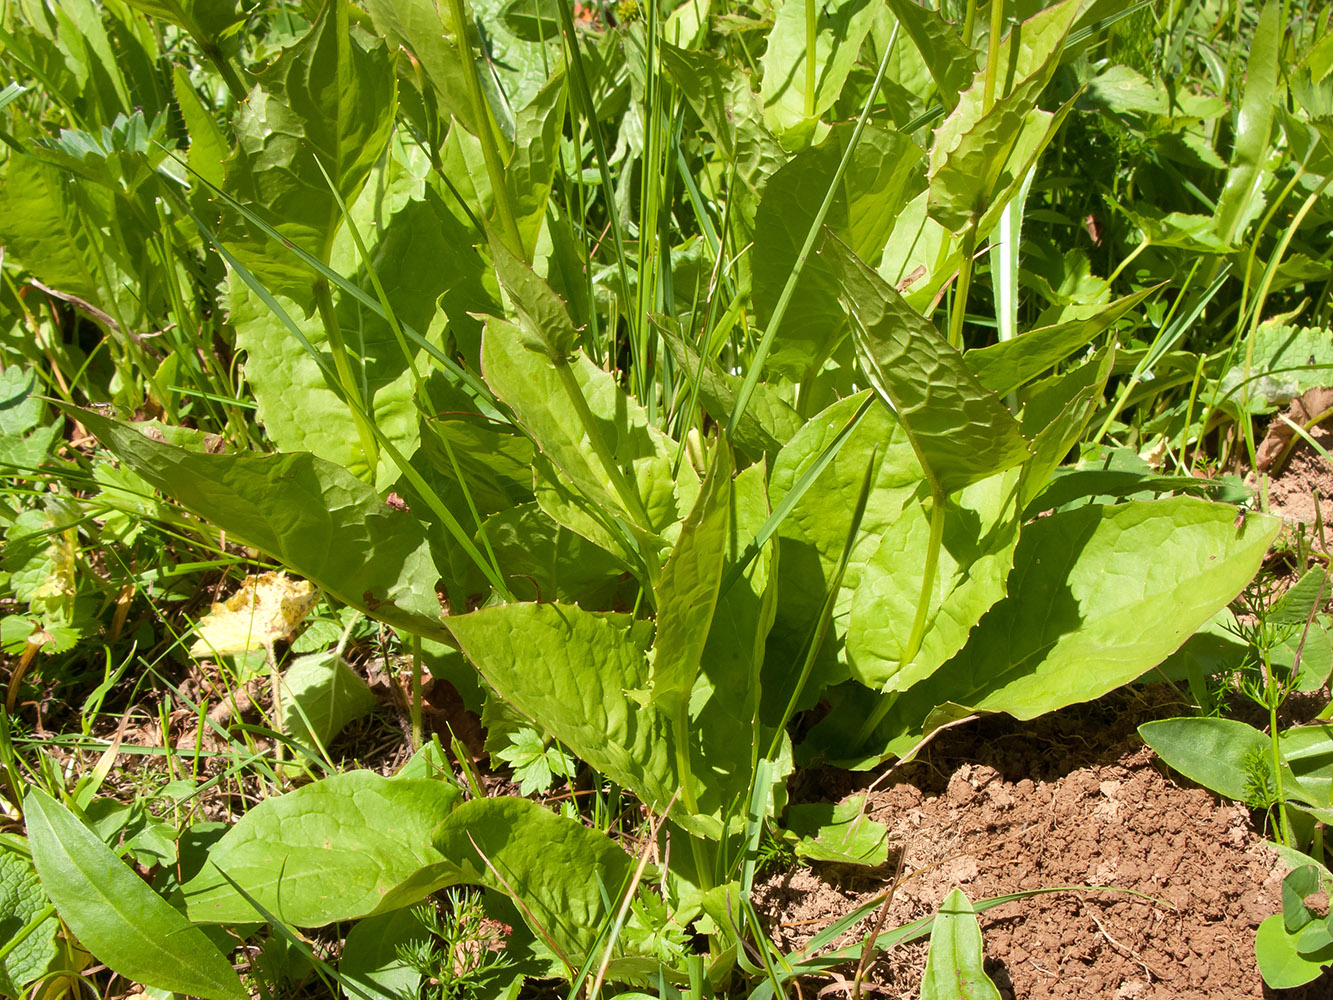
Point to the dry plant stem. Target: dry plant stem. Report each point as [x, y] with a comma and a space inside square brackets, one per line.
[21, 668]
[625, 903]
[1120, 947]
[869, 948]
[531, 918]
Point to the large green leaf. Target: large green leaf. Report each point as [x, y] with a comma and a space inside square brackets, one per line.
[1029, 56]
[568, 878]
[1242, 199]
[351, 845]
[320, 695]
[812, 535]
[955, 966]
[56, 234]
[493, 461]
[426, 265]
[727, 739]
[422, 29]
[980, 532]
[298, 407]
[542, 317]
[313, 517]
[208, 143]
[1006, 366]
[688, 590]
[1213, 752]
[1098, 595]
[580, 677]
[1309, 752]
[548, 562]
[328, 102]
[1281, 963]
[519, 68]
[961, 432]
[884, 173]
[569, 670]
[373, 958]
[921, 256]
[113, 912]
[547, 405]
[949, 59]
[1278, 363]
[790, 109]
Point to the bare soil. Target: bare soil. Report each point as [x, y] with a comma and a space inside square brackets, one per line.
[1073, 799]
[1292, 490]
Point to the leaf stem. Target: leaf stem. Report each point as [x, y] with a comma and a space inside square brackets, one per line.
[992, 54]
[1283, 822]
[816, 225]
[343, 365]
[962, 288]
[811, 34]
[481, 111]
[939, 501]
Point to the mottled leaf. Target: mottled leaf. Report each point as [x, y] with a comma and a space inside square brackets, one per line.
[327, 101]
[961, 432]
[313, 517]
[21, 900]
[567, 878]
[883, 174]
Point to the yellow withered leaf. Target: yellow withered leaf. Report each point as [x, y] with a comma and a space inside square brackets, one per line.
[266, 608]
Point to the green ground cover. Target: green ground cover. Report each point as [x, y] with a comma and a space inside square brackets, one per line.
[703, 392]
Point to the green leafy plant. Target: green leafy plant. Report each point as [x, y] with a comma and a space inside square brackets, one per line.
[460, 955]
[1284, 772]
[650, 383]
[535, 764]
[1294, 947]
[954, 967]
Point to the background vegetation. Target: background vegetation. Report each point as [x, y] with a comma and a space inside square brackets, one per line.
[702, 392]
